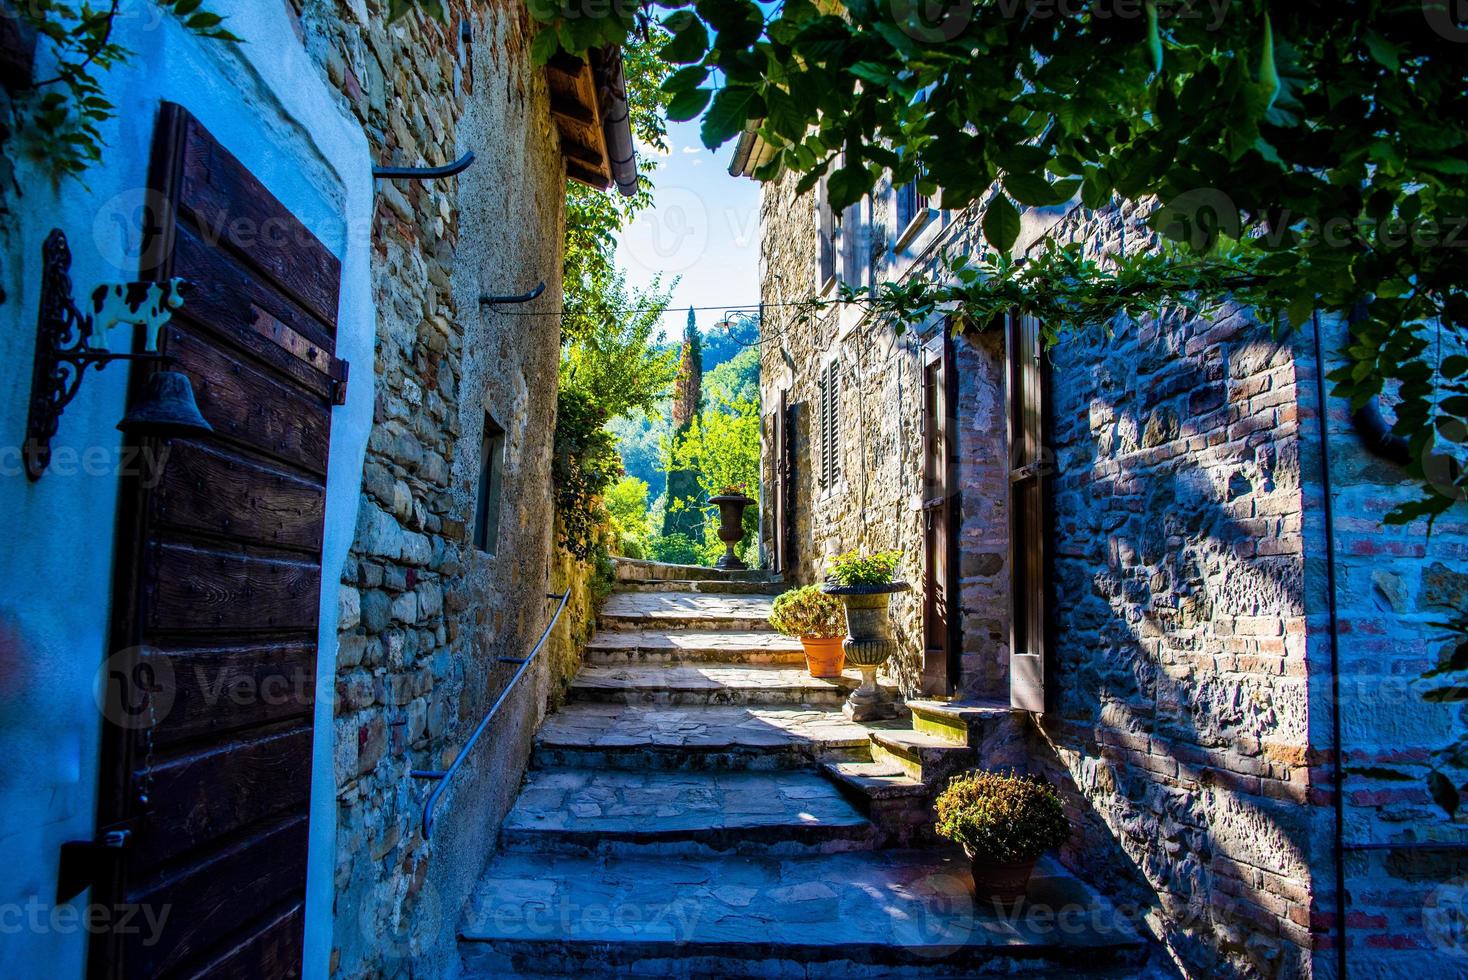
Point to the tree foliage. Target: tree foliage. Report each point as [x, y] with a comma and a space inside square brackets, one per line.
[721, 446]
[1321, 148]
[56, 121]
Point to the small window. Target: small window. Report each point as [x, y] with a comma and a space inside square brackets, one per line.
[851, 257]
[826, 233]
[828, 386]
[913, 211]
[491, 481]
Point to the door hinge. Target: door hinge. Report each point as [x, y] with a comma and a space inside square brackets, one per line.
[81, 860]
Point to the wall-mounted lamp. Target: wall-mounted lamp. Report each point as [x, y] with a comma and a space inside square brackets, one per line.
[69, 341]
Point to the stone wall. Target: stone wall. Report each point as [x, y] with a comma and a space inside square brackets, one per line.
[1181, 726]
[874, 503]
[425, 614]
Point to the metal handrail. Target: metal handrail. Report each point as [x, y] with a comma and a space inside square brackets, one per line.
[444, 775]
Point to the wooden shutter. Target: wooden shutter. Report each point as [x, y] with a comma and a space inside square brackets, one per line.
[826, 238]
[942, 641]
[1029, 524]
[833, 421]
[784, 480]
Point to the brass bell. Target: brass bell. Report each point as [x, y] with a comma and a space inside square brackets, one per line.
[166, 409]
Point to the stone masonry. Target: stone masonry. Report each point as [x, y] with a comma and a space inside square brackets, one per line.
[1190, 682]
[425, 614]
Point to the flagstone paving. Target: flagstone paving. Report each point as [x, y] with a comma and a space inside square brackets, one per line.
[701, 808]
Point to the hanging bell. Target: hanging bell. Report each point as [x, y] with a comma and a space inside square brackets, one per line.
[166, 409]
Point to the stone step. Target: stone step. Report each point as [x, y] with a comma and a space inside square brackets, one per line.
[960, 722]
[628, 647]
[928, 758]
[893, 913]
[695, 684]
[684, 611]
[900, 807]
[713, 738]
[639, 569]
[579, 811]
[695, 585]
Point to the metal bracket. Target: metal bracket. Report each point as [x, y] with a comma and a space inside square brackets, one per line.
[522, 298]
[69, 341]
[425, 173]
[82, 859]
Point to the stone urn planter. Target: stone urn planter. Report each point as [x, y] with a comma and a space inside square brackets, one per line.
[868, 644]
[731, 527]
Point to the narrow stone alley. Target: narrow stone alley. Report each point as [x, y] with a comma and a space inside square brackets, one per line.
[700, 806]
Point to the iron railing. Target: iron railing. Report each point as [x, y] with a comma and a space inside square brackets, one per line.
[443, 776]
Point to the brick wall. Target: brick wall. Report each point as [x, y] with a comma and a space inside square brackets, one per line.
[425, 614]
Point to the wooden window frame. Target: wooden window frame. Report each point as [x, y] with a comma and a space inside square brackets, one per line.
[491, 487]
[825, 241]
[1031, 516]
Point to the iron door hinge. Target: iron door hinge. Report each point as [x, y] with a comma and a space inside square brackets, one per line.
[82, 860]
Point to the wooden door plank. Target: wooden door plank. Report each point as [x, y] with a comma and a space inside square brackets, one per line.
[252, 408]
[228, 204]
[194, 590]
[203, 490]
[212, 903]
[274, 951]
[222, 691]
[209, 795]
[225, 296]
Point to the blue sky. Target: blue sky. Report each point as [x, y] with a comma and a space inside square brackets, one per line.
[703, 229]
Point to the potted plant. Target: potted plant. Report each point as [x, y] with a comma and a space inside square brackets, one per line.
[865, 586]
[814, 617]
[731, 502]
[1004, 823]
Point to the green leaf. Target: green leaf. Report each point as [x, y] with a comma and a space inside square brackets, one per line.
[1383, 51]
[731, 109]
[1001, 224]
[545, 46]
[686, 105]
[684, 79]
[687, 45]
[1031, 189]
[1444, 793]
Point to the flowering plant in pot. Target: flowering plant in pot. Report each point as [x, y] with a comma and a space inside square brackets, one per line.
[814, 617]
[1004, 823]
[864, 583]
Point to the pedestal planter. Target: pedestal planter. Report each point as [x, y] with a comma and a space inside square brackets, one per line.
[823, 655]
[731, 527]
[868, 644]
[999, 882]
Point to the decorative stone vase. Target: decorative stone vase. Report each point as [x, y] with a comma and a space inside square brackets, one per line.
[731, 527]
[823, 655]
[999, 882]
[868, 644]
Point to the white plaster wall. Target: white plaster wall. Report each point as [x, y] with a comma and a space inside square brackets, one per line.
[267, 103]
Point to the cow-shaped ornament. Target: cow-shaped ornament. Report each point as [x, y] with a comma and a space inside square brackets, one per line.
[149, 305]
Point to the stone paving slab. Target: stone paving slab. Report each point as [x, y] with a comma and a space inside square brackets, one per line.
[685, 684]
[685, 610]
[770, 589]
[605, 811]
[696, 737]
[673, 646]
[858, 914]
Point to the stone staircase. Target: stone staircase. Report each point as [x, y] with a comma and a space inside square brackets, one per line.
[701, 807]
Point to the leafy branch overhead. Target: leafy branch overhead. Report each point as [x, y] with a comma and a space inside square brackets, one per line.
[57, 120]
[1321, 150]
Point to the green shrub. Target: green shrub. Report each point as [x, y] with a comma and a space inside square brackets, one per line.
[808, 612]
[1001, 817]
[854, 568]
[676, 549]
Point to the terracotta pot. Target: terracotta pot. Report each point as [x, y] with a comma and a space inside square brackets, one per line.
[731, 527]
[1000, 882]
[823, 655]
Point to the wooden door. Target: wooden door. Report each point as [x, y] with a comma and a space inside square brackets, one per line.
[206, 771]
[784, 472]
[940, 509]
[1029, 515]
